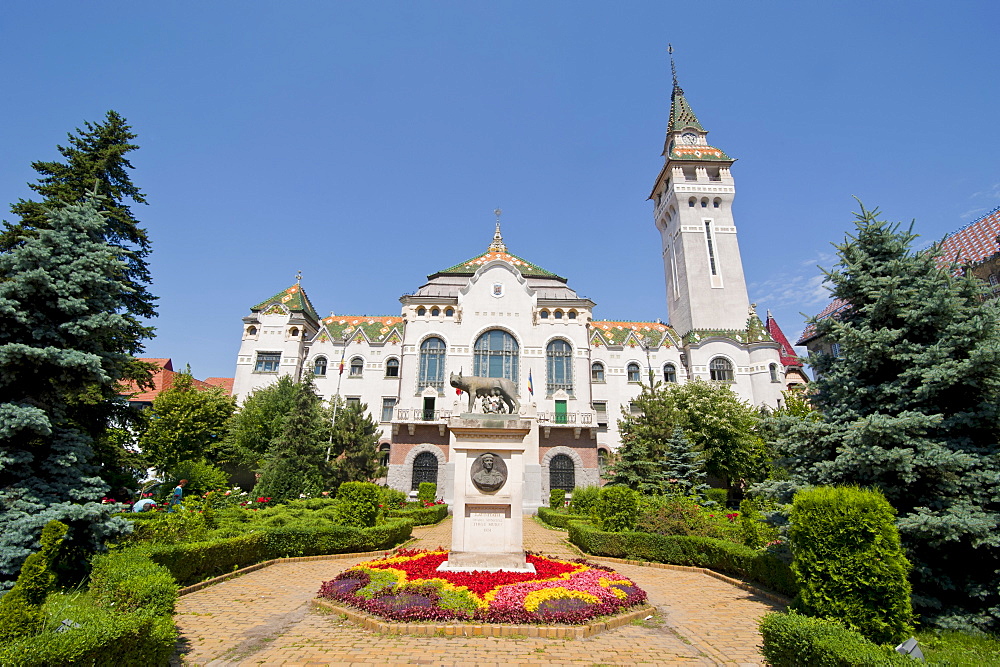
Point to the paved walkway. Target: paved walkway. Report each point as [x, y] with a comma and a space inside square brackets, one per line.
[265, 618]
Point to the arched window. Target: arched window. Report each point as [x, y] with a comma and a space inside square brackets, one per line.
[319, 366]
[559, 363]
[597, 372]
[720, 370]
[357, 367]
[669, 373]
[432, 363]
[450, 312]
[383, 457]
[435, 311]
[392, 367]
[691, 202]
[496, 356]
[633, 372]
[716, 202]
[561, 473]
[421, 311]
[251, 331]
[558, 314]
[602, 459]
[294, 332]
[774, 373]
[544, 314]
[572, 315]
[425, 469]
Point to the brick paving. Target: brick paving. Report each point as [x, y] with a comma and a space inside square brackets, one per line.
[265, 618]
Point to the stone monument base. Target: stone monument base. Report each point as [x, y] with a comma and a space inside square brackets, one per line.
[476, 561]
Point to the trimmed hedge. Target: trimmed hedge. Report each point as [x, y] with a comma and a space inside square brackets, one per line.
[115, 639]
[707, 552]
[128, 581]
[791, 640]
[427, 492]
[559, 519]
[616, 508]
[421, 516]
[357, 504]
[193, 562]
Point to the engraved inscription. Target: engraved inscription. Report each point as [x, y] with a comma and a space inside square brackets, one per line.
[487, 522]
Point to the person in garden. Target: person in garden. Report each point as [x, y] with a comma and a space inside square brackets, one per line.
[144, 505]
[175, 498]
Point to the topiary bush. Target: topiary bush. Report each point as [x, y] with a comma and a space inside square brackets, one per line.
[753, 530]
[557, 499]
[392, 499]
[583, 499]
[791, 640]
[720, 496]
[847, 557]
[559, 519]
[21, 608]
[128, 581]
[422, 516]
[358, 504]
[427, 492]
[616, 509]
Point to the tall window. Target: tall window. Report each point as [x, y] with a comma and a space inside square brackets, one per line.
[711, 247]
[392, 368]
[387, 405]
[633, 372]
[267, 362]
[720, 370]
[669, 373]
[496, 356]
[774, 373]
[425, 469]
[357, 367]
[597, 372]
[432, 364]
[561, 473]
[601, 408]
[559, 362]
[319, 366]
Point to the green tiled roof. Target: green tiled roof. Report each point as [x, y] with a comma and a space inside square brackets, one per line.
[371, 328]
[681, 114]
[755, 332]
[621, 334]
[698, 152]
[469, 267]
[294, 299]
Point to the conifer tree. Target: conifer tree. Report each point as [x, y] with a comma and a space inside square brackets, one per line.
[681, 470]
[65, 333]
[296, 461]
[354, 445]
[260, 420]
[911, 406]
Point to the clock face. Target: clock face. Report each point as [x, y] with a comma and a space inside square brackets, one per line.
[689, 137]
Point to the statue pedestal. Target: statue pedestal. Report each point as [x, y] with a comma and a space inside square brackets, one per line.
[487, 511]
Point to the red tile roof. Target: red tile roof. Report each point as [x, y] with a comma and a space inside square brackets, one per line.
[832, 308]
[163, 379]
[788, 357]
[225, 383]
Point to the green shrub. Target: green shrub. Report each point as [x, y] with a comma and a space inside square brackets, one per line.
[559, 519]
[129, 581]
[357, 504]
[616, 509]
[583, 499]
[720, 555]
[422, 516]
[791, 640]
[850, 564]
[109, 639]
[21, 608]
[202, 477]
[391, 499]
[720, 496]
[557, 499]
[684, 515]
[754, 531]
[427, 492]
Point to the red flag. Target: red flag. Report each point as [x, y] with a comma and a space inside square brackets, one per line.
[458, 391]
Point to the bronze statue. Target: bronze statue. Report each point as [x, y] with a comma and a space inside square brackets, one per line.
[489, 473]
[488, 388]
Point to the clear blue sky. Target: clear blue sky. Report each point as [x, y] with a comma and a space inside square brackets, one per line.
[368, 143]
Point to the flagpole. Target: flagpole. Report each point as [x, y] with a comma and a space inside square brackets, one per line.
[336, 401]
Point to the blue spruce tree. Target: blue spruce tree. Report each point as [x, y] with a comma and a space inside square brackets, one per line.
[66, 338]
[911, 406]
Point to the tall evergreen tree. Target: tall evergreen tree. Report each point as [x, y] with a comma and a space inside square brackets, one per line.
[95, 161]
[911, 406]
[354, 445]
[65, 333]
[296, 461]
[683, 473]
[260, 420]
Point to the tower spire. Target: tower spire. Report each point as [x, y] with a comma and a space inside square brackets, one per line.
[497, 245]
[681, 114]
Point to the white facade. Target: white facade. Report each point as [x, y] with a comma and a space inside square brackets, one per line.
[500, 315]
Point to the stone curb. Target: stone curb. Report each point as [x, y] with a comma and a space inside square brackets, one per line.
[739, 583]
[374, 624]
[278, 561]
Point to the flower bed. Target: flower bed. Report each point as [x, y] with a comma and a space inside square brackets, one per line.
[408, 587]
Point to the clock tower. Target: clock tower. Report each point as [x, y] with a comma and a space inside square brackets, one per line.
[693, 198]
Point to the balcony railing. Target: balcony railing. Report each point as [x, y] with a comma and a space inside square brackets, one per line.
[573, 418]
[421, 415]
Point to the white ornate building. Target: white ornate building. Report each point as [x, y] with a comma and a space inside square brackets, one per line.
[499, 315]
